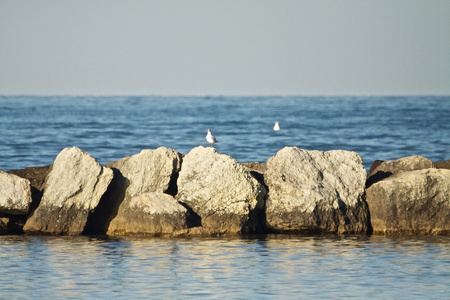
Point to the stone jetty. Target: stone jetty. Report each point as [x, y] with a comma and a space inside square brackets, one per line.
[163, 192]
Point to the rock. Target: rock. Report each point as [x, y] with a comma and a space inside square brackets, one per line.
[315, 191]
[36, 176]
[260, 167]
[442, 164]
[221, 191]
[415, 202]
[148, 171]
[151, 214]
[72, 190]
[383, 169]
[15, 194]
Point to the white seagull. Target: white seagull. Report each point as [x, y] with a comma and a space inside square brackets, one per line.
[276, 127]
[210, 138]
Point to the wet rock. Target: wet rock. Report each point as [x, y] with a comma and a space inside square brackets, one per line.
[315, 191]
[221, 191]
[15, 194]
[151, 214]
[383, 169]
[415, 202]
[72, 190]
[146, 172]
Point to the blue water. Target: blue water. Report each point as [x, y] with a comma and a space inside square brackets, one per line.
[33, 130]
[270, 267]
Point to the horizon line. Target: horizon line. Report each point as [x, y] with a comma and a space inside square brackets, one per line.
[223, 95]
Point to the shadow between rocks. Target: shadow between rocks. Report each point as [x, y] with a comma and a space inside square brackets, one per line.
[378, 176]
[98, 220]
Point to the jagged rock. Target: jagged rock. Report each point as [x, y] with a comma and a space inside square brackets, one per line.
[315, 191]
[383, 169]
[221, 191]
[72, 190]
[15, 194]
[442, 164]
[151, 214]
[149, 171]
[415, 202]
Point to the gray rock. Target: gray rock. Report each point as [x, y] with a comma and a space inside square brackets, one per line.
[15, 194]
[415, 202]
[314, 191]
[72, 190]
[383, 169]
[151, 214]
[149, 171]
[36, 176]
[221, 191]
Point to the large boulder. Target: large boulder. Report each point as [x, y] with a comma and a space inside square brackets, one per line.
[221, 191]
[151, 171]
[383, 169]
[15, 194]
[72, 190]
[315, 191]
[415, 202]
[151, 214]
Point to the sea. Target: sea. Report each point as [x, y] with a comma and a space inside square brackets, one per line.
[34, 129]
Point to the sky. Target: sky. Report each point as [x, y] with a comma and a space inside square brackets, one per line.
[232, 47]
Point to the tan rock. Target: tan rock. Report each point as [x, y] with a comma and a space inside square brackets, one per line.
[315, 191]
[72, 190]
[15, 194]
[221, 191]
[151, 214]
[151, 171]
[415, 202]
[383, 169]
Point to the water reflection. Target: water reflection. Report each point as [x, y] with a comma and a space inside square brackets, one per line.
[251, 267]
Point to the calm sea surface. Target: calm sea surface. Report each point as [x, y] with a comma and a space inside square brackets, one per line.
[33, 130]
[270, 267]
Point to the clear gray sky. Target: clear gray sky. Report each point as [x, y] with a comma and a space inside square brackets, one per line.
[232, 47]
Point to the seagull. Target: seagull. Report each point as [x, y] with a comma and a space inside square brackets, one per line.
[276, 127]
[210, 138]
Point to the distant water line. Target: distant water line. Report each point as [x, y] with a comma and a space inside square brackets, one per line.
[34, 130]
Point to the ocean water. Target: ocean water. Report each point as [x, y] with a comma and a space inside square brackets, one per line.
[33, 130]
[264, 267]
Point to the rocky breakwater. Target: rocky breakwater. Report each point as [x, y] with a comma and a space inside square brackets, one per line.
[409, 196]
[162, 192]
